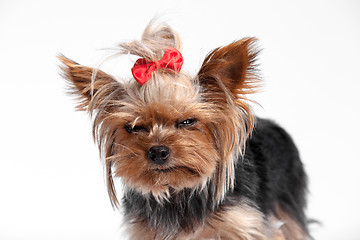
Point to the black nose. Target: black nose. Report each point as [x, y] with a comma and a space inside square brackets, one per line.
[158, 154]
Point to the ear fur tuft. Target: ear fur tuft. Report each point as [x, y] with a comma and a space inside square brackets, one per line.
[86, 82]
[234, 65]
[226, 76]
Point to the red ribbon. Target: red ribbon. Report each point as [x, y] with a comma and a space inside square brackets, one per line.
[143, 69]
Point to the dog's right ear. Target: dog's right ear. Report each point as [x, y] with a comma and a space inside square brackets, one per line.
[90, 85]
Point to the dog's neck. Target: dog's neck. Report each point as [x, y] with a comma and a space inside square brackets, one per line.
[182, 211]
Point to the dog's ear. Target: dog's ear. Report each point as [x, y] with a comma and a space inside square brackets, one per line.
[227, 75]
[230, 69]
[90, 85]
[96, 91]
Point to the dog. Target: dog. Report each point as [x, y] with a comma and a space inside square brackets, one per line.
[195, 161]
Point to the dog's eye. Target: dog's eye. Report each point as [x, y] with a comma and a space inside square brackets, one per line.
[134, 129]
[187, 123]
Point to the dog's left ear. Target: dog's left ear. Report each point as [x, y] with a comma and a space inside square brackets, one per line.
[91, 86]
[230, 69]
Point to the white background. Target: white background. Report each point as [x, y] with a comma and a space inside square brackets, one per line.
[51, 181]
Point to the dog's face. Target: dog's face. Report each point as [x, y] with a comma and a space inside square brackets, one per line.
[163, 138]
[175, 131]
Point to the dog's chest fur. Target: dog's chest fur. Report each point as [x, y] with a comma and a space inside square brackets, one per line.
[240, 222]
[193, 215]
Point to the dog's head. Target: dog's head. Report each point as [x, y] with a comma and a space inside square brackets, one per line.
[176, 131]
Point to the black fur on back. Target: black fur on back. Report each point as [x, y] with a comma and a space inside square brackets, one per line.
[272, 172]
[269, 174]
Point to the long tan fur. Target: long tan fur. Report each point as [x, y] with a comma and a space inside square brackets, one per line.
[219, 89]
[216, 98]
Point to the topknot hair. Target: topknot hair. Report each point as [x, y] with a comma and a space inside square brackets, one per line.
[157, 37]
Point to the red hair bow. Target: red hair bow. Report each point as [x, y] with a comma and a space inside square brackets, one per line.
[143, 69]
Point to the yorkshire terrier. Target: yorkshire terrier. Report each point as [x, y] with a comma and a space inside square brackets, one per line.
[195, 161]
